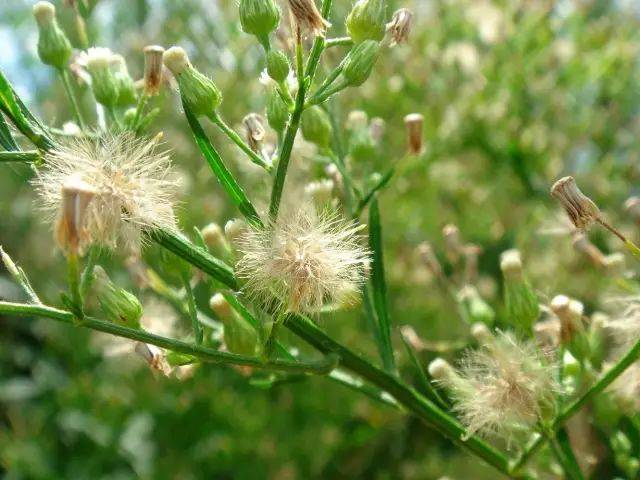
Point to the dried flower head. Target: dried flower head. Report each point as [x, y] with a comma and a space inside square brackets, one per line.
[70, 230]
[253, 124]
[414, 123]
[400, 26]
[308, 16]
[153, 69]
[130, 181]
[504, 386]
[302, 261]
[580, 208]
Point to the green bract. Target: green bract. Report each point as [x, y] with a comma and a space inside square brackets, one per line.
[54, 47]
[259, 18]
[119, 306]
[360, 62]
[316, 126]
[277, 111]
[367, 20]
[277, 65]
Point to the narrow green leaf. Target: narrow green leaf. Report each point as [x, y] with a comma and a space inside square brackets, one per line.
[21, 117]
[6, 139]
[379, 287]
[221, 172]
[197, 257]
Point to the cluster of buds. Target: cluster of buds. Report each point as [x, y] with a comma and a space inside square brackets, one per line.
[111, 83]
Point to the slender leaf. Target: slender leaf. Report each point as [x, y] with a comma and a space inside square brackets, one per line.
[6, 139]
[221, 172]
[379, 287]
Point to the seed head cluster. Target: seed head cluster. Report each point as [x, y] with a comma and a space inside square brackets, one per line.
[131, 185]
[302, 261]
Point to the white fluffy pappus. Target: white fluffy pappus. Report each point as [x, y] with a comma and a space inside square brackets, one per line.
[303, 261]
[505, 386]
[133, 186]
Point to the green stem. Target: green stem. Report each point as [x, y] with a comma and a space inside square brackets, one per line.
[142, 102]
[64, 75]
[87, 274]
[235, 138]
[565, 456]
[27, 156]
[332, 90]
[607, 379]
[322, 367]
[73, 277]
[335, 73]
[340, 41]
[193, 312]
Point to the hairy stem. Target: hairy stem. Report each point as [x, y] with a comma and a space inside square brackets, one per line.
[322, 367]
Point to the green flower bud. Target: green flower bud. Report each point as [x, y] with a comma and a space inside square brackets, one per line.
[129, 116]
[103, 81]
[572, 332]
[520, 300]
[360, 61]
[367, 20]
[54, 47]
[277, 65]
[198, 92]
[239, 336]
[473, 308]
[277, 111]
[259, 18]
[124, 82]
[118, 305]
[316, 126]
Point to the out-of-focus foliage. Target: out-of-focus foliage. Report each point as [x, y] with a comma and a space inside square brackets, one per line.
[514, 94]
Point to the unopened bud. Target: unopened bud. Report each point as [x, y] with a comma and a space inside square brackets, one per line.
[277, 111]
[124, 82]
[582, 245]
[259, 18]
[255, 131]
[307, 16]
[357, 120]
[414, 123]
[572, 332]
[360, 61]
[441, 370]
[70, 227]
[377, 128]
[481, 333]
[118, 305]
[103, 82]
[520, 300]
[54, 47]
[316, 126]
[452, 243]
[366, 21]
[199, 94]
[429, 259]
[580, 209]
[214, 237]
[277, 65]
[473, 308]
[152, 69]
[239, 336]
[412, 338]
[400, 26]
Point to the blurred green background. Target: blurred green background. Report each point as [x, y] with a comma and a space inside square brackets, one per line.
[515, 93]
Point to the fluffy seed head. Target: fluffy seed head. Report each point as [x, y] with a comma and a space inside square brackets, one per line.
[302, 261]
[580, 208]
[308, 16]
[130, 181]
[503, 386]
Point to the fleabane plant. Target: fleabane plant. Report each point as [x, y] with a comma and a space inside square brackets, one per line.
[524, 369]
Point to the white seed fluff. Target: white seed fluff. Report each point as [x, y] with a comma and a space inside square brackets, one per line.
[132, 184]
[303, 261]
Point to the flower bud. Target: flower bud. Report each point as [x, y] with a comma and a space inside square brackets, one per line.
[520, 300]
[54, 47]
[481, 333]
[259, 18]
[580, 209]
[572, 331]
[366, 21]
[400, 26]
[255, 131]
[307, 15]
[376, 129]
[473, 308]
[70, 227]
[214, 237]
[360, 61]
[152, 69]
[441, 370]
[316, 126]
[414, 123]
[277, 65]
[124, 82]
[199, 94]
[277, 111]
[234, 228]
[321, 192]
[118, 305]
[103, 82]
[239, 336]
[452, 242]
